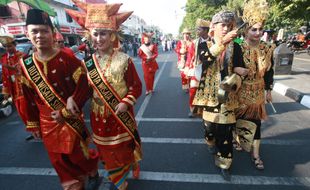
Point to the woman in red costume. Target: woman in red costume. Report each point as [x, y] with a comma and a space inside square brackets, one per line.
[115, 87]
[148, 53]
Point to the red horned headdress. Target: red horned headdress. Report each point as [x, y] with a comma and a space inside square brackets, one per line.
[146, 34]
[101, 15]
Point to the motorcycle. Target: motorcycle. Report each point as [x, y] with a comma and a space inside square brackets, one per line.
[298, 47]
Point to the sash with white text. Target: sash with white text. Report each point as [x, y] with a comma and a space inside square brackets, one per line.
[49, 95]
[108, 95]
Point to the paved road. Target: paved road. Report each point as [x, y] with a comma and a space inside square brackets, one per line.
[175, 157]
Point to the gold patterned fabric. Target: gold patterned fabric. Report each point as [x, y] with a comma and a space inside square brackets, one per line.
[77, 73]
[113, 68]
[207, 94]
[32, 124]
[244, 133]
[251, 96]
[222, 162]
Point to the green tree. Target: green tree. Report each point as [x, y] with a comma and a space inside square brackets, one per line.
[203, 9]
[288, 14]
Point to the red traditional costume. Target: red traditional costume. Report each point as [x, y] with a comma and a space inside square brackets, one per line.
[182, 50]
[114, 79]
[148, 53]
[47, 85]
[11, 76]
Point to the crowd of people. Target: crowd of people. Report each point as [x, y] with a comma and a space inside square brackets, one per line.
[228, 80]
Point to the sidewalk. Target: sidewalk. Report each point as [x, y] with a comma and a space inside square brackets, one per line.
[297, 84]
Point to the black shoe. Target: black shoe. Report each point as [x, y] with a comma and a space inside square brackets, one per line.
[93, 183]
[212, 149]
[225, 174]
[191, 115]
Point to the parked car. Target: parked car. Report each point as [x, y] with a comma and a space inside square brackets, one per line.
[26, 48]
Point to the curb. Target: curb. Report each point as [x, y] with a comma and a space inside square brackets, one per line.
[292, 93]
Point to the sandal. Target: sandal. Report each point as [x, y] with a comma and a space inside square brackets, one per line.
[124, 186]
[259, 164]
[136, 171]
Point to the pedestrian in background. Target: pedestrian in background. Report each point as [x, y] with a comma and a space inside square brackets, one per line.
[54, 86]
[148, 53]
[115, 88]
[11, 74]
[182, 50]
[199, 47]
[135, 47]
[60, 43]
[252, 60]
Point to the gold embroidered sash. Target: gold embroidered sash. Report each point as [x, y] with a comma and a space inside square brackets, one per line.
[50, 97]
[108, 95]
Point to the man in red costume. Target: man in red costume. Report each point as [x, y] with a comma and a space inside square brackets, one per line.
[148, 53]
[54, 86]
[11, 75]
[60, 41]
[182, 50]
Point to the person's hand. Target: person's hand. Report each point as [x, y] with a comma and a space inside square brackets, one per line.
[241, 71]
[18, 68]
[229, 37]
[56, 115]
[72, 106]
[36, 134]
[148, 59]
[6, 96]
[268, 96]
[120, 108]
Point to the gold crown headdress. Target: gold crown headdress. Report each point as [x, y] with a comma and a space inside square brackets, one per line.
[255, 11]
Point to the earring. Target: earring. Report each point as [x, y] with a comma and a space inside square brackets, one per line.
[113, 37]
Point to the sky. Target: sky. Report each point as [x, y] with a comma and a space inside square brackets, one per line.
[167, 14]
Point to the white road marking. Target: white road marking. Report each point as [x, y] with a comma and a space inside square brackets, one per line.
[308, 60]
[285, 142]
[280, 88]
[200, 141]
[305, 101]
[170, 119]
[179, 177]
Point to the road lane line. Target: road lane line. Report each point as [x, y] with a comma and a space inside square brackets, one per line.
[170, 119]
[147, 98]
[200, 141]
[280, 88]
[179, 177]
[308, 60]
[137, 119]
[305, 101]
[285, 142]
